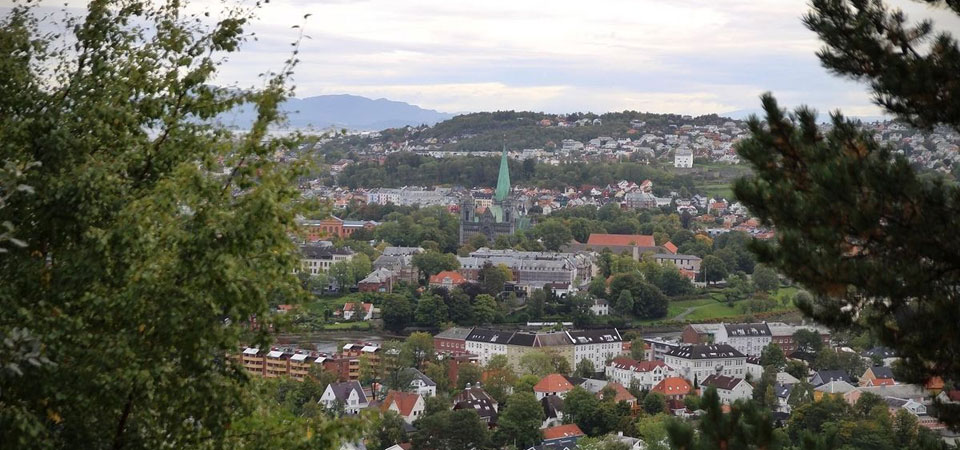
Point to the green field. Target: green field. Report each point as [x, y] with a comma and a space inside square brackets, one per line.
[710, 307]
[722, 190]
[348, 326]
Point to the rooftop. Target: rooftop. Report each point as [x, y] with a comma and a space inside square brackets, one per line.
[638, 240]
[703, 351]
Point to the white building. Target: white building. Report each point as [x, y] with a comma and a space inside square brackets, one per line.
[598, 346]
[729, 389]
[408, 405]
[486, 343]
[421, 384]
[697, 362]
[748, 338]
[683, 158]
[645, 373]
[600, 307]
[317, 259]
[348, 394]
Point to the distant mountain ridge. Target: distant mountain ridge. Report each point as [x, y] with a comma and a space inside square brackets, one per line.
[343, 111]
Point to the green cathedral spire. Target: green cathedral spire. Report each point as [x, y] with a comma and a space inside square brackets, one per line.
[503, 180]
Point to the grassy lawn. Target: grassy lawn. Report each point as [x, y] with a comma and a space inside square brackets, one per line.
[718, 190]
[678, 307]
[347, 326]
[711, 306]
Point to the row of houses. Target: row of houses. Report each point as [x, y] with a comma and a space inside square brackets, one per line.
[596, 346]
[750, 338]
[297, 364]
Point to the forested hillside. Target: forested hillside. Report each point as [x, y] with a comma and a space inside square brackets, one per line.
[408, 169]
[487, 131]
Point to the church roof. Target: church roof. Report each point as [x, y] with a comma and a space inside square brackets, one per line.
[503, 180]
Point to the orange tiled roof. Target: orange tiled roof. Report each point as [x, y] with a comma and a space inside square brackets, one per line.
[670, 247]
[934, 383]
[673, 386]
[623, 395]
[639, 240]
[562, 431]
[882, 382]
[405, 402]
[553, 383]
[455, 277]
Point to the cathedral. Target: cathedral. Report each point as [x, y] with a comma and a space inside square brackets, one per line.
[502, 217]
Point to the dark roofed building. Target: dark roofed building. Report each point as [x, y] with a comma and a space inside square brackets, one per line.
[697, 362]
[705, 351]
[552, 410]
[478, 400]
[596, 345]
[748, 338]
[825, 376]
[452, 340]
[730, 389]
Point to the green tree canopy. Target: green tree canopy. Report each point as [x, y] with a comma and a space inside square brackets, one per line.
[141, 265]
[519, 422]
[451, 430]
[853, 218]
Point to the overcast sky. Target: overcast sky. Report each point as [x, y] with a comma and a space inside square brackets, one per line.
[681, 56]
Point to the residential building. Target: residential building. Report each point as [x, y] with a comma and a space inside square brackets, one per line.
[600, 307]
[640, 200]
[570, 430]
[318, 259]
[699, 333]
[825, 376]
[836, 387]
[408, 405]
[399, 260]
[474, 398]
[485, 343]
[673, 388]
[277, 364]
[697, 362]
[521, 343]
[748, 338]
[729, 389]
[380, 280]
[645, 374]
[254, 360]
[552, 411]
[299, 366]
[421, 384]
[451, 340]
[877, 376]
[553, 384]
[621, 394]
[689, 263]
[782, 335]
[659, 347]
[360, 311]
[448, 279]
[683, 158]
[596, 345]
[348, 395]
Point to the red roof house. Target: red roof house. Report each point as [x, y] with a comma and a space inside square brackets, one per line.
[447, 279]
[553, 384]
[562, 431]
